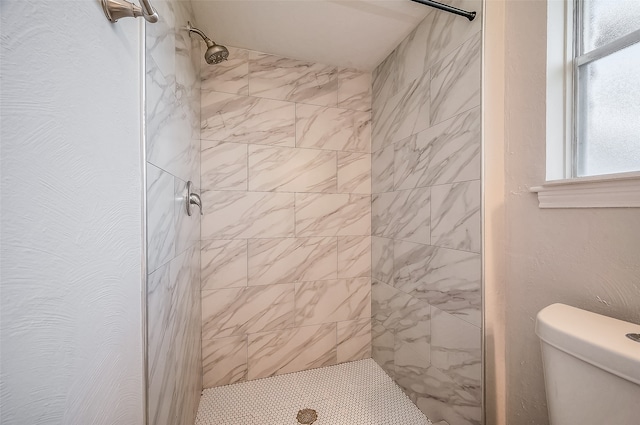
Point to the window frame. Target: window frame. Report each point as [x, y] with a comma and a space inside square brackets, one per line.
[562, 187]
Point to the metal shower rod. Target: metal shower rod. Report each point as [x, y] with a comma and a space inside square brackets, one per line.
[469, 15]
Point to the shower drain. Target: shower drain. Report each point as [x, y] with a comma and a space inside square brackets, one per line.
[307, 416]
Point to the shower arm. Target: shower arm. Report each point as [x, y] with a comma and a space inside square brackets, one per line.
[469, 15]
[206, 39]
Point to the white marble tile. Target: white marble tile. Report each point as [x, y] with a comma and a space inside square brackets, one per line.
[292, 350]
[332, 301]
[354, 172]
[382, 170]
[456, 350]
[354, 256]
[455, 221]
[447, 152]
[332, 214]
[289, 260]
[450, 281]
[230, 76]
[455, 82]
[384, 79]
[382, 259]
[275, 77]
[240, 311]
[354, 89]
[245, 119]
[333, 128]
[405, 113]
[382, 347]
[354, 340]
[411, 265]
[403, 215]
[160, 217]
[283, 169]
[244, 215]
[413, 331]
[223, 165]
[224, 264]
[224, 361]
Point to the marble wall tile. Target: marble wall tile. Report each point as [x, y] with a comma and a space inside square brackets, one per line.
[456, 350]
[238, 311]
[382, 170]
[187, 227]
[160, 217]
[291, 170]
[244, 215]
[174, 342]
[447, 152]
[413, 331]
[333, 128]
[444, 399]
[291, 350]
[224, 361]
[382, 347]
[402, 215]
[354, 172]
[451, 281]
[384, 79]
[172, 143]
[405, 113]
[332, 301]
[230, 76]
[332, 214]
[224, 264]
[223, 165]
[245, 119]
[382, 259]
[275, 77]
[354, 89]
[411, 265]
[354, 340]
[455, 219]
[354, 256]
[388, 305]
[289, 260]
[455, 84]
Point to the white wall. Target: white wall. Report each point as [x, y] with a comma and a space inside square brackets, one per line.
[72, 244]
[588, 258]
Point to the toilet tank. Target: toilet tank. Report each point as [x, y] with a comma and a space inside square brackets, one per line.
[591, 368]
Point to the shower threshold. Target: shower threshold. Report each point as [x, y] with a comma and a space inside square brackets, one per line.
[355, 393]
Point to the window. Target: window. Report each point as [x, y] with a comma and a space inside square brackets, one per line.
[593, 104]
[606, 76]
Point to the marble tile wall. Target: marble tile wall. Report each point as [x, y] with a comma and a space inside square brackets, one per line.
[173, 238]
[286, 231]
[425, 225]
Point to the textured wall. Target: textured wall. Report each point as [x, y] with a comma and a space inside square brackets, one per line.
[173, 158]
[286, 231]
[588, 258]
[72, 247]
[426, 264]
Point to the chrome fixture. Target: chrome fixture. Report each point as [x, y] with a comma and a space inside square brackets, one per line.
[469, 15]
[116, 9]
[215, 52]
[192, 198]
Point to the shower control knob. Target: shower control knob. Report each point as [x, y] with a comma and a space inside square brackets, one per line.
[192, 198]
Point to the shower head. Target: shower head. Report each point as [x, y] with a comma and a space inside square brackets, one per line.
[215, 53]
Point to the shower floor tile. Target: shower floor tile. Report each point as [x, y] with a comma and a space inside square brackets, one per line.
[355, 393]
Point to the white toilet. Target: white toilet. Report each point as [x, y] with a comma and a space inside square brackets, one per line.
[591, 367]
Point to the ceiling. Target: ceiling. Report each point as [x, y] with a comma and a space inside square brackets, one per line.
[353, 33]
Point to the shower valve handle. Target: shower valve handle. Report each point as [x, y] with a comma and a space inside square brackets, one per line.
[116, 9]
[192, 198]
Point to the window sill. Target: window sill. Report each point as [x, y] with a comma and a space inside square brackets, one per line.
[615, 191]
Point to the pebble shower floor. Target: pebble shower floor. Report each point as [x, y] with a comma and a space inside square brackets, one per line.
[355, 393]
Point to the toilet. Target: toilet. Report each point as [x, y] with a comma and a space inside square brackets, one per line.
[591, 367]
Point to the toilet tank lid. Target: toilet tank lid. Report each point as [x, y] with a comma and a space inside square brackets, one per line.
[596, 339]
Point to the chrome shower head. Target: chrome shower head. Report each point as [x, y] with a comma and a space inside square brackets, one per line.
[215, 53]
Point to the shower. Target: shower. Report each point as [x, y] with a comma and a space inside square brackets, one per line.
[215, 52]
